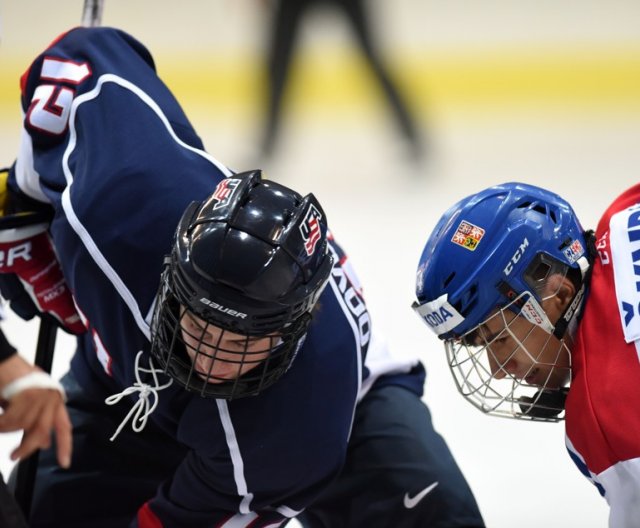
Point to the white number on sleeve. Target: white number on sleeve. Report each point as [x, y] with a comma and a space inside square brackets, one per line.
[51, 103]
[50, 107]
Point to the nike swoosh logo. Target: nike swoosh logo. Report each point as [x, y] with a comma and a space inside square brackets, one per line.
[411, 502]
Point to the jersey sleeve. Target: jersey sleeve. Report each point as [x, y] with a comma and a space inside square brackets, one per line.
[109, 148]
[75, 69]
[74, 65]
[602, 419]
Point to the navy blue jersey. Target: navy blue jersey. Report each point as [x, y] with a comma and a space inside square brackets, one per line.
[107, 146]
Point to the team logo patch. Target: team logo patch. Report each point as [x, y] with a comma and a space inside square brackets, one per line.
[574, 251]
[468, 235]
[224, 191]
[310, 229]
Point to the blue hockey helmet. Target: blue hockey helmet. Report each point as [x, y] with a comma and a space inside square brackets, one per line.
[489, 248]
[251, 260]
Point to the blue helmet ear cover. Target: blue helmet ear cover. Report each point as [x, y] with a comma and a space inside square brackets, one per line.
[506, 238]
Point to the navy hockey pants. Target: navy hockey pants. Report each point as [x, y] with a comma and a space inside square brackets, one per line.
[394, 461]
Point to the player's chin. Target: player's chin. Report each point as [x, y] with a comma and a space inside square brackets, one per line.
[213, 380]
[217, 378]
[553, 383]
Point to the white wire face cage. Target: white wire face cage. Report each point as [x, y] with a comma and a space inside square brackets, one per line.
[511, 365]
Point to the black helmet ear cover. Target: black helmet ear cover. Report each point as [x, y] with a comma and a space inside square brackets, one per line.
[185, 225]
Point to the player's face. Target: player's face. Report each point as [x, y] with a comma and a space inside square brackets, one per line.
[219, 355]
[522, 350]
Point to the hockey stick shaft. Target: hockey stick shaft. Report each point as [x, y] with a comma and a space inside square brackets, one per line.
[26, 472]
[92, 13]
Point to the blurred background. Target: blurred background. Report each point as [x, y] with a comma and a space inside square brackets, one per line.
[543, 92]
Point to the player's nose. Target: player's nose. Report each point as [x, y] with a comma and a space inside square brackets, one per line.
[501, 367]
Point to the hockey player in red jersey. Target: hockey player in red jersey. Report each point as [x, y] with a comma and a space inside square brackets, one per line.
[541, 321]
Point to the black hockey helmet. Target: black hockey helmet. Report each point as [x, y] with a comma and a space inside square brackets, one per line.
[246, 268]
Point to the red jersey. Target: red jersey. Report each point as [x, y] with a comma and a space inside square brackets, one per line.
[603, 406]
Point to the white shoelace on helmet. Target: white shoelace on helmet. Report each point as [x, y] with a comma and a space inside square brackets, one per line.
[142, 408]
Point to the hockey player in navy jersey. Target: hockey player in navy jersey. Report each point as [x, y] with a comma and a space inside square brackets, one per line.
[229, 374]
[540, 322]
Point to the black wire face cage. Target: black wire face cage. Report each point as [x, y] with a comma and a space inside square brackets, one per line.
[215, 362]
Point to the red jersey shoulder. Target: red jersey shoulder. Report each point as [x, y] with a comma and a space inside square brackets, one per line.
[602, 419]
[628, 198]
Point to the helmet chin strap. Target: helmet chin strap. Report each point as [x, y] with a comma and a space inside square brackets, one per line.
[545, 404]
[573, 310]
[549, 403]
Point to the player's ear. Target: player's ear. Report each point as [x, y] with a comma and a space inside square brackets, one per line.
[560, 291]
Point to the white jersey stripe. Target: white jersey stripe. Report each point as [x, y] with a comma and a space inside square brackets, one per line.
[288, 512]
[76, 224]
[240, 521]
[356, 338]
[27, 177]
[246, 515]
[236, 457]
[243, 521]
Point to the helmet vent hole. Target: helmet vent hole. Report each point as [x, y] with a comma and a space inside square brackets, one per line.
[468, 300]
[286, 217]
[538, 208]
[565, 243]
[449, 279]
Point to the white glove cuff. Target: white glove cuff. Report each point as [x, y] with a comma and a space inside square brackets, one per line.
[33, 380]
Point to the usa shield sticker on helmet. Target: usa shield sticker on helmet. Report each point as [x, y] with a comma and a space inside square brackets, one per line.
[224, 191]
[468, 235]
[574, 251]
[310, 229]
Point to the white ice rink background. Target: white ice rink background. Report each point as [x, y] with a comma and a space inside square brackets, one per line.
[544, 92]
